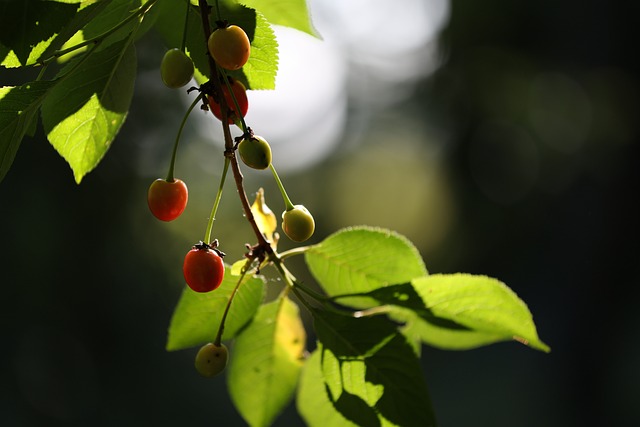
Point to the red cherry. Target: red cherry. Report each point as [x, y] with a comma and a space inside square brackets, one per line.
[167, 199]
[203, 268]
[240, 92]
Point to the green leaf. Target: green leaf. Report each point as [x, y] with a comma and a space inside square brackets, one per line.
[18, 108]
[115, 12]
[313, 401]
[83, 114]
[86, 13]
[288, 13]
[480, 310]
[266, 361]
[367, 363]
[362, 259]
[258, 73]
[28, 27]
[197, 316]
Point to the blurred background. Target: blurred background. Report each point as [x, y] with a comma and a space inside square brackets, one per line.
[501, 137]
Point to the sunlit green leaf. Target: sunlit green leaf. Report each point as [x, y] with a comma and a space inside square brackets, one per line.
[369, 364]
[361, 259]
[112, 15]
[18, 108]
[88, 11]
[265, 362]
[466, 311]
[313, 399]
[288, 13]
[197, 316]
[83, 114]
[23, 41]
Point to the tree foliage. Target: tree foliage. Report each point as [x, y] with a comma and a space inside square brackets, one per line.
[377, 302]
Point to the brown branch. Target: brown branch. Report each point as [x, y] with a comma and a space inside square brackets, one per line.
[228, 140]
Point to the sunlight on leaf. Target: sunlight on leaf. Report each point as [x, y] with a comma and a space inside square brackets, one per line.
[313, 400]
[378, 370]
[266, 359]
[197, 316]
[265, 218]
[237, 267]
[84, 113]
[486, 308]
[76, 39]
[288, 13]
[361, 259]
[24, 44]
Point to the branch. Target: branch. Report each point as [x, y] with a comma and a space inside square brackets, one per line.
[228, 140]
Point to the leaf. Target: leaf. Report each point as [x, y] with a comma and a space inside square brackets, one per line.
[370, 361]
[197, 316]
[485, 308]
[361, 259]
[288, 13]
[28, 27]
[18, 108]
[266, 362]
[112, 15]
[313, 401]
[86, 13]
[83, 114]
[264, 216]
[258, 73]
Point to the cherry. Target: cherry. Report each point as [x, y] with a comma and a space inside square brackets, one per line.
[230, 47]
[167, 199]
[176, 68]
[203, 268]
[298, 224]
[255, 152]
[240, 92]
[211, 359]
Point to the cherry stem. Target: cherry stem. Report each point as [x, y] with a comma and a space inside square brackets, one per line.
[218, 339]
[293, 252]
[218, 14]
[170, 177]
[292, 282]
[41, 73]
[214, 210]
[285, 197]
[186, 25]
[245, 129]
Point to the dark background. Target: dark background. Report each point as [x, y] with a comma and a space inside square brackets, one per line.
[90, 279]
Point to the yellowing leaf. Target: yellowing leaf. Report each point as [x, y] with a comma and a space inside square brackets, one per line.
[266, 362]
[265, 218]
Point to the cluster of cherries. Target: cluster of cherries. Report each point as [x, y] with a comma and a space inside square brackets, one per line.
[203, 265]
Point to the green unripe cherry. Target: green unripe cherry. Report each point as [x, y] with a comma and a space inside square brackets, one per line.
[176, 68]
[211, 359]
[255, 152]
[298, 224]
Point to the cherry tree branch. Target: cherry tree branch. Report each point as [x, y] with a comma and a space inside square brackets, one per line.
[228, 139]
